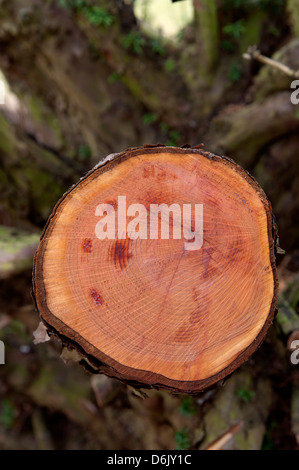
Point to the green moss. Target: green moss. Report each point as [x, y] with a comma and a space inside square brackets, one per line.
[98, 16]
[134, 42]
[12, 242]
[3, 178]
[208, 34]
[149, 118]
[16, 250]
[41, 114]
[7, 413]
[19, 376]
[268, 442]
[245, 394]
[169, 65]
[65, 389]
[84, 152]
[252, 30]
[235, 71]
[235, 30]
[293, 8]
[7, 143]
[114, 77]
[36, 108]
[173, 139]
[157, 46]
[138, 91]
[182, 439]
[44, 189]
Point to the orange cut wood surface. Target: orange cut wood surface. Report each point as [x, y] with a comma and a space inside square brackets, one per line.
[150, 310]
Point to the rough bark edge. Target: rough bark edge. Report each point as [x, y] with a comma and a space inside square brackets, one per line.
[101, 362]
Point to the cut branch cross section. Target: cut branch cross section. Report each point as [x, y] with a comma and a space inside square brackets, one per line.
[150, 311]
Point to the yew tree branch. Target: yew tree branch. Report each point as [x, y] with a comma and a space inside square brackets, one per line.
[254, 54]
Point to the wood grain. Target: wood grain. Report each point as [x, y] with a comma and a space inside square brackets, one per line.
[150, 311]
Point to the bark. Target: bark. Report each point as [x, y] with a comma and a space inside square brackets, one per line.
[206, 23]
[242, 133]
[16, 251]
[293, 8]
[288, 320]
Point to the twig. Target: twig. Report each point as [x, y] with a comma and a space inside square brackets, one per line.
[254, 53]
[220, 442]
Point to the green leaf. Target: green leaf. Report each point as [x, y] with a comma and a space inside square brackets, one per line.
[114, 77]
[169, 65]
[149, 118]
[235, 72]
[188, 407]
[84, 152]
[173, 139]
[235, 30]
[245, 395]
[7, 413]
[182, 439]
[157, 47]
[134, 42]
[98, 16]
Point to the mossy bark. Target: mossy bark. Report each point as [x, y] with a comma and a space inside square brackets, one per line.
[206, 22]
[293, 8]
[16, 250]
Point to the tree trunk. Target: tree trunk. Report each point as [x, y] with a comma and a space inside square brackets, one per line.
[208, 41]
[174, 309]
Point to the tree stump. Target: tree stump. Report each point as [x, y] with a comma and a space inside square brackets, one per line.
[177, 308]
